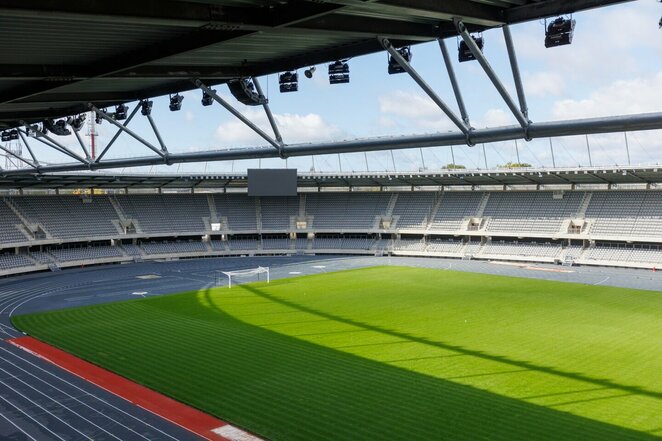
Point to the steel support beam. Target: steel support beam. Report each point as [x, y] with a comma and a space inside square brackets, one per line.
[512, 56]
[118, 133]
[82, 144]
[454, 83]
[164, 149]
[140, 139]
[27, 146]
[426, 87]
[10, 153]
[473, 47]
[267, 110]
[53, 143]
[238, 115]
[650, 121]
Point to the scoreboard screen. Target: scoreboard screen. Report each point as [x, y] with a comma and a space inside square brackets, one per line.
[272, 182]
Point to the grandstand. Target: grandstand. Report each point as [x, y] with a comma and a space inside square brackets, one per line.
[588, 226]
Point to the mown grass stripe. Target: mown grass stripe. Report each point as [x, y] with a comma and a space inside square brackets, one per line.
[390, 353]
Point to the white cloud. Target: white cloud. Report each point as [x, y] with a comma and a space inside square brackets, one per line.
[495, 118]
[637, 95]
[408, 105]
[415, 111]
[293, 127]
[542, 84]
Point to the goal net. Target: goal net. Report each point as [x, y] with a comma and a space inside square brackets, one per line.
[247, 275]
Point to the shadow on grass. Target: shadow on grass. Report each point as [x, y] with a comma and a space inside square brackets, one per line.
[458, 349]
[291, 390]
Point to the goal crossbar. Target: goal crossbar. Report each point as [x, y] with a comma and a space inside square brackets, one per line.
[247, 272]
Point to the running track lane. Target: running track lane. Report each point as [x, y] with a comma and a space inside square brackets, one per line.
[180, 414]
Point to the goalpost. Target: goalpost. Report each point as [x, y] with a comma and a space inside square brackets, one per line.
[242, 275]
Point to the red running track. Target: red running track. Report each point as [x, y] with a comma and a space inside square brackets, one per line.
[180, 414]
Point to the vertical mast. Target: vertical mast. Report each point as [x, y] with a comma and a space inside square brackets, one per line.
[92, 133]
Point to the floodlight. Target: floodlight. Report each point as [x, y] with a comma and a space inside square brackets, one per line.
[175, 102]
[207, 99]
[146, 107]
[465, 54]
[13, 135]
[5, 137]
[559, 32]
[243, 90]
[77, 122]
[121, 112]
[58, 128]
[393, 66]
[309, 72]
[97, 117]
[338, 72]
[288, 82]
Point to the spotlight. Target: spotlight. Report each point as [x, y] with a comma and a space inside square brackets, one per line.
[288, 82]
[393, 66]
[58, 128]
[120, 112]
[243, 90]
[309, 72]
[146, 107]
[5, 137]
[175, 102]
[465, 54]
[338, 72]
[77, 122]
[559, 32]
[97, 118]
[207, 100]
[13, 135]
[33, 133]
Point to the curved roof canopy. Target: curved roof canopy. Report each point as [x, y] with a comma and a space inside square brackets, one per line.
[56, 57]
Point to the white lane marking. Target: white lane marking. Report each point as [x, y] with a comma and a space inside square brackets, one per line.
[319, 266]
[29, 416]
[60, 404]
[77, 400]
[295, 272]
[601, 281]
[235, 434]
[83, 390]
[45, 410]
[117, 395]
[19, 428]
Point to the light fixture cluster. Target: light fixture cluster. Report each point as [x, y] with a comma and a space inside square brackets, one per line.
[393, 66]
[244, 91]
[288, 82]
[339, 72]
[9, 135]
[207, 99]
[559, 32]
[175, 102]
[146, 107]
[121, 112]
[58, 127]
[77, 122]
[464, 53]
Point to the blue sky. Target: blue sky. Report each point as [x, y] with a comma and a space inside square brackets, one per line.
[614, 66]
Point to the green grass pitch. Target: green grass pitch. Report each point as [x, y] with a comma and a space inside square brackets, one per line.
[390, 353]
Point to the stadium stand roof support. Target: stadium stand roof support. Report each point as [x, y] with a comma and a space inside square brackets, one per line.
[73, 55]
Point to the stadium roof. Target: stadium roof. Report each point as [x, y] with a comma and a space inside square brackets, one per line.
[577, 176]
[56, 57]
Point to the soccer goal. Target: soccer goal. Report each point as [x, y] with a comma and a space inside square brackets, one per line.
[247, 275]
